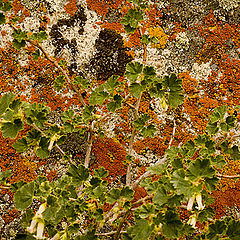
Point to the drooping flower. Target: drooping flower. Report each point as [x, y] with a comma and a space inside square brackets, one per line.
[190, 203]
[192, 220]
[199, 202]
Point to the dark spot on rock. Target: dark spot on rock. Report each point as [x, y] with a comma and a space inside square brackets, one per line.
[110, 58]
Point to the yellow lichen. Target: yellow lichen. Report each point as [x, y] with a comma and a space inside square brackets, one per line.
[160, 35]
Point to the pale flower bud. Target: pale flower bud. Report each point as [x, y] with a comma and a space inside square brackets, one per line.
[40, 230]
[32, 227]
[190, 203]
[199, 202]
[192, 220]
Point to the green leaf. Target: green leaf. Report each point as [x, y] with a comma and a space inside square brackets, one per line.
[113, 195]
[87, 112]
[67, 115]
[141, 230]
[135, 89]
[98, 97]
[215, 229]
[174, 85]
[200, 169]
[149, 72]
[59, 82]
[78, 174]
[172, 225]
[158, 168]
[212, 128]
[218, 114]
[41, 36]
[18, 45]
[235, 154]
[233, 230]
[19, 35]
[115, 104]
[111, 84]
[127, 193]
[7, 6]
[2, 18]
[149, 131]
[4, 176]
[36, 54]
[24, 196]
[160, 197]
[100, 173]
[129, 29]
[178, 180]
[20, 145]
[42, 153]
[83, 82]
[10, 129]
[133, 70]
[145, 210]
[141, 121]
[146, 39]
[156, 90]
[5, 101]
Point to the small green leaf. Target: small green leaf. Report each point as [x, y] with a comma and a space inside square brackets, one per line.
[42, 153]
[18, 45]
[7, 6]
[78, 174]
[42, 35]
[141, 230]
[200, 168]
[127, 193]
[212, 128]
[98, 97]
[5, 101]
[133, 70]
[113, 195]
[59, 82]
[24, 196]
[36, 54]
[141, 121]
[215, 229]
[19, 35]
[67, 115]
[100, 173]
[2, 18]
[83, 82]
[149, 131]
[115, 104]
[11, 129]
[20, 145]
[135, 89]
[160, 197]
[111, 84]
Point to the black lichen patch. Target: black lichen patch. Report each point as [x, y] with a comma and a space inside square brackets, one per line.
[110, 58]
[58, 41]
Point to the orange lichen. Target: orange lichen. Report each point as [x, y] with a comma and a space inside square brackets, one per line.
[111, 155]
[71, 7]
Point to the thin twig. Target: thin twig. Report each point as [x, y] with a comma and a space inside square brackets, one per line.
[227, 176]
[56, 145]
[89, 148]
[109, 233]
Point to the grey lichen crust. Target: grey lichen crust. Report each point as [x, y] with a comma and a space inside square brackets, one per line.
[228, 4]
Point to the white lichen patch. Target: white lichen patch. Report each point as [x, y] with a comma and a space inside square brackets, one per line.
[201, 71]
[228, 4]
[182, 41]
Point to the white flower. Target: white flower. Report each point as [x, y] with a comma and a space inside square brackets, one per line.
[40, 230]
[190, 203]
[32, 227]
[199, 202]
[192, 220]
